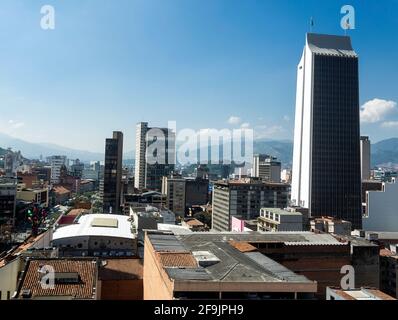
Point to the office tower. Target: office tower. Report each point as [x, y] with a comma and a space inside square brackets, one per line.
[8, 194]
[56, 163]
[183, 193]
[77, 168]
[326, 159]
[266, 168]
[148, 175]
[244, 200]
[365, 158]
[11, 162]
[112, 181]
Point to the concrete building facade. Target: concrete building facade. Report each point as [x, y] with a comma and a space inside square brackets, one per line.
[365, 158]
[266, 168]
[244, 199]
[274, 219]
[56, 163]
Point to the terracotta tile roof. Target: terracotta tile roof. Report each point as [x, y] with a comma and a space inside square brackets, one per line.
[194, 223]
[344, 295]
[386, 253]
[86, 268]
[177, 259]
[29, 242]
[121, 269]
[243, 246]
[76, 212]
[61, 190]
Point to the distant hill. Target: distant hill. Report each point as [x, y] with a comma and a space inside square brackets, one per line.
[383, 153]
[283, 150]
[35, 150]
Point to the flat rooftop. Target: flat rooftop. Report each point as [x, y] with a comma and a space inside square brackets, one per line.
[101, 225]
[283, 212]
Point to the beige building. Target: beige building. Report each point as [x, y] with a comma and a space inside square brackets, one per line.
[331, 225]
[274, 219]
[34, 195]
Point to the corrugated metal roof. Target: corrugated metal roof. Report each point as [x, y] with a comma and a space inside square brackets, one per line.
[188, 274]
[166, 243]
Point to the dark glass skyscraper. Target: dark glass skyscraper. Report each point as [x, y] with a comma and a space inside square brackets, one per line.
[113, 174]
[326, 163]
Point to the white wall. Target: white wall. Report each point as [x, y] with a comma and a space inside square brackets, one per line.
[9, 277]
[382, 209]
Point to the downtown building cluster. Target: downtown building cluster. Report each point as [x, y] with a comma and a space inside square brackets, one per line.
[163, 231]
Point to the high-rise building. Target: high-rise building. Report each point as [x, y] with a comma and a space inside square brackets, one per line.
[326, 160]
[56, 162]
[243, 199]
[365, 158]
[148, 174]
[266, 168]
[11, 162]
[183, 193]
[77, 168]
[112, 181]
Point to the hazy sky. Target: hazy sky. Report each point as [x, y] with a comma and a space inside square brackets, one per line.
[203, 63]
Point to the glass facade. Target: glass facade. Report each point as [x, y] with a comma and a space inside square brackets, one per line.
[336, 168]
[113, 173]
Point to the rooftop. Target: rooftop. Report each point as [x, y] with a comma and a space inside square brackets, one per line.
[218, 258]
[102, 225]
[84, 286]
[361, 294]
[330, 45]
[121, 269]
[246, 182]
[192, 222]
[61, 190]
[283, 212]
[384, 235]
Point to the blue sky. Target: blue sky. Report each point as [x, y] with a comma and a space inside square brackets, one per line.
[110, 64]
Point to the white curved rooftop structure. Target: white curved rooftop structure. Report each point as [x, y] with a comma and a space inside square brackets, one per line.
[97, 225]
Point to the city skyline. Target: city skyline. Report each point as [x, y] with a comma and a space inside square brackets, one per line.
[178, 62]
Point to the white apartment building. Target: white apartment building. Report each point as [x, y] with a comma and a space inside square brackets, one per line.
[56, 163]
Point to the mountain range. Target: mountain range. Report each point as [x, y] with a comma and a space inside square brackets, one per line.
[34, 150]
[384, 153]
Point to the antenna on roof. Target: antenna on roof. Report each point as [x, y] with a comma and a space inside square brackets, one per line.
[312, 23]
[347, 26]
